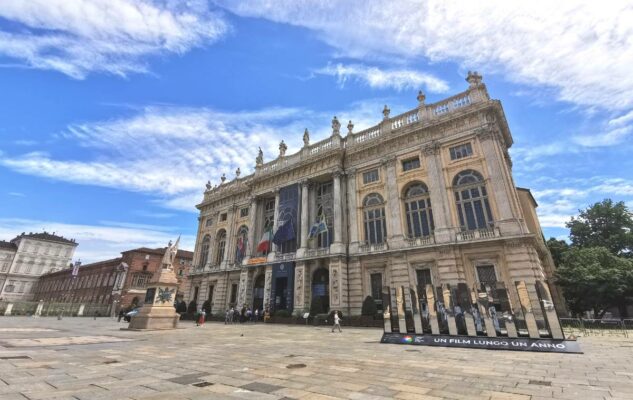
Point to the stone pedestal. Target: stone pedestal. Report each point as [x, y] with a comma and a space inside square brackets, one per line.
[158, 312]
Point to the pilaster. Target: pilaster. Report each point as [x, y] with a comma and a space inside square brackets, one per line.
[337, 246]
[443, 232]
[394, 231]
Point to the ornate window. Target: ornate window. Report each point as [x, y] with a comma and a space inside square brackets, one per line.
[374, 216]
[243, 212]
[417, 205]
[486, 275]
[220, 241]
[325, 211]
[370, 176]
[241, 242]
[411, 163]
[461, 151]
[471, 197]
[204, 250]
[140, 279]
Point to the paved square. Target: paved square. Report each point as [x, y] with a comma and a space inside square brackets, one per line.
[287, 362]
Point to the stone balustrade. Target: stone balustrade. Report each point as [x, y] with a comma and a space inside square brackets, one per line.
[321, 251]
[372, 247]
[420, 241]
[405, 119]
[486, 233]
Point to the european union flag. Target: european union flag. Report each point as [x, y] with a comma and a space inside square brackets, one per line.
[284, 233]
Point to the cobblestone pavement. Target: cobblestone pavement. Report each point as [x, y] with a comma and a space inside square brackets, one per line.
[80, 358]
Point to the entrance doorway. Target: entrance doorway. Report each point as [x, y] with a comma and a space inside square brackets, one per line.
[281, 293]
[258, 292]
[321, 289]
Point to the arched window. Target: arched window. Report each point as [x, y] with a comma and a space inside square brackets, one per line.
[374, 215]
[220, 241]
[204, 250]
[471, 198]
[241, 242]
[417, 205]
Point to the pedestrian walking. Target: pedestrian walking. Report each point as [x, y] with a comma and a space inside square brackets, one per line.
[337, 322]
[227, 317]
[203, 315]
[256, 314]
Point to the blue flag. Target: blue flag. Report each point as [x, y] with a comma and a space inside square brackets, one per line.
[318, 227]
[284, 233]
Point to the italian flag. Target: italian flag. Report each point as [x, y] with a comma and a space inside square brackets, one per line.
[264, 244]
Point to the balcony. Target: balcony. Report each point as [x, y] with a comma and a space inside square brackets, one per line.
[478, 234]
[373, 247]
[419, 241]
[319, 252]
[284, 256]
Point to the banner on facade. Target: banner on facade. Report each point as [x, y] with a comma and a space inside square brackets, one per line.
[500, 343]
[256, 260]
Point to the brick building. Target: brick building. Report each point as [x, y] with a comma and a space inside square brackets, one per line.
[121, 280]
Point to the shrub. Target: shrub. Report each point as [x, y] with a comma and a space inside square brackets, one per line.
[282, 314]
[369, 307]
[181, 308]
[316, 306]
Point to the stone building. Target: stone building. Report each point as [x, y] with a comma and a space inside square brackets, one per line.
[94, 283]
[26, 257]
[122, 281]
[425, 197]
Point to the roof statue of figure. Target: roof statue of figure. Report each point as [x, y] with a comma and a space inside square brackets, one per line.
[222, 178]
[208, 185]
[259, 161]
[170, 254]
[306, 138]
[282, 149]
[237, 172]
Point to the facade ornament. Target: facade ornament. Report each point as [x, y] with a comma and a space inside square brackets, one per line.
[337, 172]
[432, 148]
[282, 149]
[237, 172]
[259, 161]
[208, 185]
[385, 112]
[487, 133]
[421, 98]
[306, 138]
[389, 160]
[336, 126]
[473, 79]
[350, 127]
[223, 178]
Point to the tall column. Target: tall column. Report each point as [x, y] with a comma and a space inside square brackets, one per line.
[500, 185]
[271, 255]
[229, 235]
[252, 219]
[337, 245]
[352, 211]
[394, 230]
[440, 201]
[305, 225]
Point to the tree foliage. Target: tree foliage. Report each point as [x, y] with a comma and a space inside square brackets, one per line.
[595, 278]
[557, 248]
[604, 224]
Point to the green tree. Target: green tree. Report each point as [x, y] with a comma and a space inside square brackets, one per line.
[557, 248]
[604, 224]
[595, 278]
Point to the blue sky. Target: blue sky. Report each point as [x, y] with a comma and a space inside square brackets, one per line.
[115, 113]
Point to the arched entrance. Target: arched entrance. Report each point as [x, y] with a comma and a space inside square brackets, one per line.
[258, 292]
[321, 289]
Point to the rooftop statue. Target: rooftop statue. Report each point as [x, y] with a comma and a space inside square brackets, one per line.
[260, 158]
[170, 254]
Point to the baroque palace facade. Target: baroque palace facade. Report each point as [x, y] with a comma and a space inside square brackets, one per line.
[425, 197]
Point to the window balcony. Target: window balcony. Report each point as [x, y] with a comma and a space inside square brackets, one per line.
[420, 241]
[318, 252]
[284, 256]
[478, 234]
[373, 247]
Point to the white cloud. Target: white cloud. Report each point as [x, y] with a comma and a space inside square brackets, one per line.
[99, 242]
[170, 152]
[613, 132]
[399, 79]
[582, 49]
[77, 37]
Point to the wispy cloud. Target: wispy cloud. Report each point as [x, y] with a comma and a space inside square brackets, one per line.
[114, 36]
[582, 49]
[98, 242]
[399, 79]
[16, 194]
[613, 132]
[170, 152]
